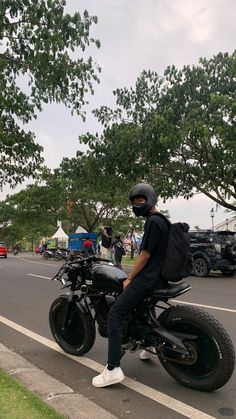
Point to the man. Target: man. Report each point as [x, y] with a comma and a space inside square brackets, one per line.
[143, 279]
[87, 246]
[118, 250]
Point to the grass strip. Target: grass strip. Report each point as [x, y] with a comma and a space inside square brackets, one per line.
[17, 402]
[128, 261]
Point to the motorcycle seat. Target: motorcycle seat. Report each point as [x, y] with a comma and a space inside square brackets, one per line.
[171, 291]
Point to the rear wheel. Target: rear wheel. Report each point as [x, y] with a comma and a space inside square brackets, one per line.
[78, 336]
[212, 357]
[200, 267]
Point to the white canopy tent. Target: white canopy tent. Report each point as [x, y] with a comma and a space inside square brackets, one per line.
[61, 237]
[81, 230]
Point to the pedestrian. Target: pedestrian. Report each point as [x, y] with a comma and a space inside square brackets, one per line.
[87, 247]
[119, 251]
[16, 249]
[143, 279]
[43, 248]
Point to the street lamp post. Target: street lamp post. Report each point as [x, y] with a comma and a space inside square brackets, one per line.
[212, 214]
[227, 223]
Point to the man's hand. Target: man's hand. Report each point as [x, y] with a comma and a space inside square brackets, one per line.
[126, 283]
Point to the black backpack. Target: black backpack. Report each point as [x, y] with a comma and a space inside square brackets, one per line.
[177, 263]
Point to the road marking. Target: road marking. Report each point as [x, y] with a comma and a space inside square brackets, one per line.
[230, 310]
[39, 276]
[38, 263]
[151, 393]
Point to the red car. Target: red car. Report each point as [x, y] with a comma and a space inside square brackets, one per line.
[3, 249]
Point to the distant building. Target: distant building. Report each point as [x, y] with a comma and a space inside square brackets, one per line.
[228, 224]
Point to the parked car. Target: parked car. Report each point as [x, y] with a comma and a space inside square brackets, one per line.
[213, 251]
[3, 249]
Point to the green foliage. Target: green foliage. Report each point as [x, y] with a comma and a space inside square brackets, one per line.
[177, 132]
[38, 64]
[30, 214]
[95, 198]
[77, 193]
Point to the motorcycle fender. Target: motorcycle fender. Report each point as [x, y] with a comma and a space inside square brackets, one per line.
[179, 335]
[80, 304]
[172, 338]
[164, 314]
[184, 336]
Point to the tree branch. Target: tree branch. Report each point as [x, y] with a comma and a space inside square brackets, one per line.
[218, 201]
[13, 59]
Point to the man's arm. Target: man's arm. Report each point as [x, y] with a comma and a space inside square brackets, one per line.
[140, 262]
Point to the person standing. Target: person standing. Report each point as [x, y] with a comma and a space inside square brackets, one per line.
[143, 279]
[119, 251]
[87, 247]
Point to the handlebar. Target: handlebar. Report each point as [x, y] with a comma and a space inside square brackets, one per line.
[66, 266]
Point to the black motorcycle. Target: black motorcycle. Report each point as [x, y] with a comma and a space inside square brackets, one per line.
[192, 346]
[48, 254]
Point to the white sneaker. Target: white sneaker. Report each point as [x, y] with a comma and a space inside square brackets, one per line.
[107, 377]
[147, 355]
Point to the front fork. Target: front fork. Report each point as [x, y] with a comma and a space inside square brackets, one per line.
[68, 310]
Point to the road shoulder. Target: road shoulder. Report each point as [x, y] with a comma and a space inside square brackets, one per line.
[53, 392]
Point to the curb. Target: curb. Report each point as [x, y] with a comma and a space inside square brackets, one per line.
[56, 394]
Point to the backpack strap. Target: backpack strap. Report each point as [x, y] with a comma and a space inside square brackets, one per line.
[163, 217]
[160, 218]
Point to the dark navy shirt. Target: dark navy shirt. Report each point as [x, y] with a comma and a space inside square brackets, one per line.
[154, 242]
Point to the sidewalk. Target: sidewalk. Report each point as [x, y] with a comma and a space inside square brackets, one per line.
[70, 404]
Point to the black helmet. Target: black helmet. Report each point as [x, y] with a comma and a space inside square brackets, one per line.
[145, 190]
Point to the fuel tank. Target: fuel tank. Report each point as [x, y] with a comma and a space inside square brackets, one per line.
[102, 277]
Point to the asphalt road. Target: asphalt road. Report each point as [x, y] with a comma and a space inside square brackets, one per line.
[25, 297]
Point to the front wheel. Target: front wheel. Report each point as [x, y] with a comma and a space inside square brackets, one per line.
[76, 336]
[212, 357]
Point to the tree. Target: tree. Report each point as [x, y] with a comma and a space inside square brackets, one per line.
[38, 65]
[77, 193]
[184, 128]
[31, 213]
[93, 198]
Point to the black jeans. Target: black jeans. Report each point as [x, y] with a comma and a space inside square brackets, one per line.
[118, 259]
[118, 313]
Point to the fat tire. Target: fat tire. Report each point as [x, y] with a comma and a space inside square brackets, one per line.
[86, 320]
[222, 343]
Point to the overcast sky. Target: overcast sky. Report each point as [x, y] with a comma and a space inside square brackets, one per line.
[137, 35]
